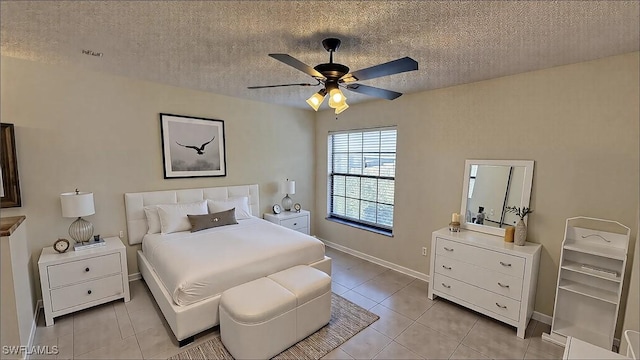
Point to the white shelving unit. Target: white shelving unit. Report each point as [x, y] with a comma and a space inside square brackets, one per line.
[590, 278]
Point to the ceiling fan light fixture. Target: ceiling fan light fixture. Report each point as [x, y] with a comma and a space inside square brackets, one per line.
[316, 99]
[342, 108]
[336, 98]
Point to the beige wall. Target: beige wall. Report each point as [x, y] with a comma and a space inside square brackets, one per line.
[101, 133]
[578, 122]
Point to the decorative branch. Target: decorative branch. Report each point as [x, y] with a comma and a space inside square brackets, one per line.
[521, 212]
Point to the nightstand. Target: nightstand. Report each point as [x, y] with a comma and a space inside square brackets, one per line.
[298, 221]
[76, 280]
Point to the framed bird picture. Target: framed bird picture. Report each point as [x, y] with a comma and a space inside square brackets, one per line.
[192, 146]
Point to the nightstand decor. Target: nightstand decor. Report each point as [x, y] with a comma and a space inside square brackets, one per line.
[289, 188]
[76, 205]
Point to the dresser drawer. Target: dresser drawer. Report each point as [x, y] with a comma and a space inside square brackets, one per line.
[82, 270]
[493, 281]
[295, 223]
[485, 299]
[85, 292]
[492, 260]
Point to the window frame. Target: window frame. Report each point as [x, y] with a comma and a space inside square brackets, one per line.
[376, 227]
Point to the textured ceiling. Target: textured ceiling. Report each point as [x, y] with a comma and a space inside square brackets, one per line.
[222, 46]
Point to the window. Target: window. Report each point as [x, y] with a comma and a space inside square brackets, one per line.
[362, 170]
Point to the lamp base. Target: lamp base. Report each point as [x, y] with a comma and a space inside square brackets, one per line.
[81, 230]
[287, 203]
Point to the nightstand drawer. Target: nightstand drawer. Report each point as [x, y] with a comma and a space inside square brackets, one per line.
[295, 223]
[82, 270]
[86, 292]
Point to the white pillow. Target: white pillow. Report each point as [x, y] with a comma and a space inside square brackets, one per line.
[174, 218]
[153, 219]
[243, 211]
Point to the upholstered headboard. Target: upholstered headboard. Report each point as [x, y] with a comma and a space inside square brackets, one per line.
[134, 203]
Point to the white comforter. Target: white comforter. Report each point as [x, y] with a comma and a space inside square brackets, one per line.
[196, 266]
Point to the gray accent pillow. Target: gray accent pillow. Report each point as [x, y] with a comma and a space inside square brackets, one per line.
[202, 222]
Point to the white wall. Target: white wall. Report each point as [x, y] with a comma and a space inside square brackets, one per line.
[579, 123]
[101, 133]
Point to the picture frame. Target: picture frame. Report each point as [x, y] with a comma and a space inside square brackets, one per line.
[192, 146]
[10, 191]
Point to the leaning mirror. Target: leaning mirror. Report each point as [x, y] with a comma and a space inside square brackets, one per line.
[490, 186]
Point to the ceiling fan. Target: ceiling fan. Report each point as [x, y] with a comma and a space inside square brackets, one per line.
[335, 76]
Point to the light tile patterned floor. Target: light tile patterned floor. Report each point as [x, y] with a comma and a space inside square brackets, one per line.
[410, 327]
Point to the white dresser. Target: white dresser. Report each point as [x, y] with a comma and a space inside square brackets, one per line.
[298, 221]
[76, 280]
[485, 274]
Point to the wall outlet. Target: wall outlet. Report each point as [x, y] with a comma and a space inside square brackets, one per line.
[424, 251]
[121, 235]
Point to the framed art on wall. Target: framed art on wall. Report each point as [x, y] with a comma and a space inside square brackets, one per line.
[10, 190]
[192, 146]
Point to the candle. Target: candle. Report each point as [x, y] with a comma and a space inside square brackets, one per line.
[455, 217]
[508, 233]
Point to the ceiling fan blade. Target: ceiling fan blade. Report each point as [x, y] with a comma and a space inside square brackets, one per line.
[272, 86]
[392, 67]
[374, 91]
[291, 61]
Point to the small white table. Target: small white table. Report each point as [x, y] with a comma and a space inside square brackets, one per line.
[294, 220]
[581, 350]
[76, 280]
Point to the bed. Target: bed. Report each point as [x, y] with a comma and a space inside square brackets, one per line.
[187, 272]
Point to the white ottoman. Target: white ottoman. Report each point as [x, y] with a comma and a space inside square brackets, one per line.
[264, 317]
[312, 289]
[257, 319]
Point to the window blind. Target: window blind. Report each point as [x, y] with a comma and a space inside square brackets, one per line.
[362, 167]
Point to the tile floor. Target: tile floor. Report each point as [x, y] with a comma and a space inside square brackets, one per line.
[410, 326]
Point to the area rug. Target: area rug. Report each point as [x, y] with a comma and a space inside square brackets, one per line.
[347, 319]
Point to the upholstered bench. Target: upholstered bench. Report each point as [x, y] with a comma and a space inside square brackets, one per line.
[264, 317]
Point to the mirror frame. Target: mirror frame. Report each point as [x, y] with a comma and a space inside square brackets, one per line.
[524, 200]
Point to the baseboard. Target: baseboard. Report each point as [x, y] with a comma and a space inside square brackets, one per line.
[375, 260]
[34, 326]
[134, 277]
[543, 318]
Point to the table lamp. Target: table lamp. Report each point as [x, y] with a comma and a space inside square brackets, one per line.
[75, 205]
[289, 188]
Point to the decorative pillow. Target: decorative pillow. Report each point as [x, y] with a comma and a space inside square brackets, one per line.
[241, 204]
[173, 217]
[201, 222]
[153, 219]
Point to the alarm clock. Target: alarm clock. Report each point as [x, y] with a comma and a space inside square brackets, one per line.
[277, 209]
[61, 245]
[297, 207]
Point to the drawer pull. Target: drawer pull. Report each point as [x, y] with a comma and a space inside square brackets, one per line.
[447, 267]
[503, 285]
[448, 249]
[446, 286]
[501, 306]
[86, 269]
[505, 264]
[294, 224]
[89, 292]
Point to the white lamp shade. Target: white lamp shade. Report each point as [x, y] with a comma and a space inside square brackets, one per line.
[290, 187]
[77, 204]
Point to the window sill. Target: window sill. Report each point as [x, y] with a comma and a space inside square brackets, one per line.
[354, 224]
